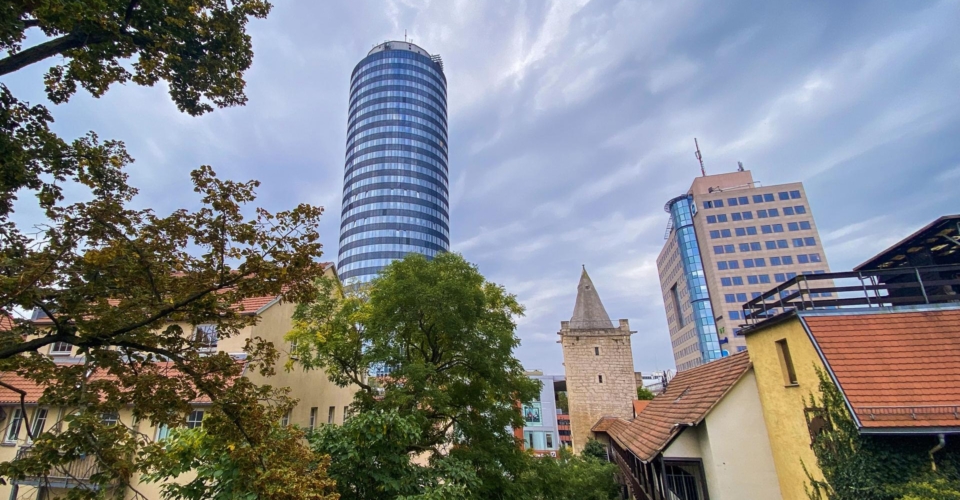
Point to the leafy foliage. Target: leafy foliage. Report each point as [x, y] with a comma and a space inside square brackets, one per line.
[644, 394]
[115, 282]
[863, 467]
[595, 449]
[569, 477]
[446, 335]
[256, 460]
[563, 403]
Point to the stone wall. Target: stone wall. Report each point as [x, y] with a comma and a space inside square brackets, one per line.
[589, 354]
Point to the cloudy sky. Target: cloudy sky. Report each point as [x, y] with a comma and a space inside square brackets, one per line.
[572, 122]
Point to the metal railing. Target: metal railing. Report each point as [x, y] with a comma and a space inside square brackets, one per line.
[72, 474]
[876, 288]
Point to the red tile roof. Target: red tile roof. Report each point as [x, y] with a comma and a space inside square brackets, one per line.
[687, 400]
[6, 323]
[34, 390]
[896, 370]
[639, 405]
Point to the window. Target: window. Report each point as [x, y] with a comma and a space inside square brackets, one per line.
[754, 295]
[790, 276]
[786, 363]
[162, 432]
[780, 277]
[752, 230]
[711, 219]
[802, 259]
[731, 202]
[729, 298]
[761, 262]
[549, 438]
[718, 249]
[600, 379]
[773, 212]
[39, 421]
[741, 348]
[110, 419]
[795, 195]
[753, 280]
[741, 297]
[596, 351]
[766, 229]
[734, 314]
[715, 234]
[13, 430]
[778, 228]
[722, 265]
[798, 242]
[740, 231]
[815, 257]
[768, 197]
[782, 244]
[725, 282]
[744, 200]
[195, 419]
[285, 419]
[774, 261]
[804, 224]
[771, 245]
[737, 280]
[708, 204]
[755, 246]
[758, 198]
[206, 336]
[734, 264]
[60, 349]
[764, 278]
[810, 242]
[744, 247]
[736, 216]
[793, 226]
[787, 260]
[717, 203]
[787, 210]
[747, 215]
[331, 414]
[783, 195]
[800, 209]
[313, 417]
[748, 263]
[722, 218]
[728, 249]
[762, 214]
[676, 304]
[346, 413]
[725, 233]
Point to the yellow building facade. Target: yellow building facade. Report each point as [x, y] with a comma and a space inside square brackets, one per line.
[785, 363]
[320, 402]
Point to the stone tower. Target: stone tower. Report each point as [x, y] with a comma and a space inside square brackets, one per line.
[598, 362]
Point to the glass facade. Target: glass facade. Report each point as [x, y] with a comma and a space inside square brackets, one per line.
[681, 212]
[395, 180]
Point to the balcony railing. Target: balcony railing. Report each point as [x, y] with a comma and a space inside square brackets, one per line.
[73, 474]
[877, 288]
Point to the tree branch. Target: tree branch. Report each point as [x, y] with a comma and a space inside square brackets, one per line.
[46, 49]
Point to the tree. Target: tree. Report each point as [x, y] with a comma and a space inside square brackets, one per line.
[445, 337]
[595, 449]
[562, 402]
[644, 394]
[569, 477]
[114, 281]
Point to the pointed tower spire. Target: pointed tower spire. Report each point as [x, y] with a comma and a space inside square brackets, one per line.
[589, 313]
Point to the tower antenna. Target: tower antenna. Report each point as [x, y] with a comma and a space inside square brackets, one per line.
[404, 35]
[699, 157]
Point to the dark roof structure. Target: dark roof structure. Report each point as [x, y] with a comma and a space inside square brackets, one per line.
[936, 244]
[688, 399]
[588, 312]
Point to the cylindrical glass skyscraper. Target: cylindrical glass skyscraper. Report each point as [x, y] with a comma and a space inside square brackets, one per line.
[395, 178]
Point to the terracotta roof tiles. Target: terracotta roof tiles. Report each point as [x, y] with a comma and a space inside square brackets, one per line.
[687, 400]
[895, 369]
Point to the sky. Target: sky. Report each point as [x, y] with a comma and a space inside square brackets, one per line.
[572, 122]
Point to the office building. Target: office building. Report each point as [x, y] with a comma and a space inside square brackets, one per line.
[541, 433]
[728, 240]
[395, 179]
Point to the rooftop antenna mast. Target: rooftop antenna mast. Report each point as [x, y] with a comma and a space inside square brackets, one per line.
[699, 157]
[404, 35]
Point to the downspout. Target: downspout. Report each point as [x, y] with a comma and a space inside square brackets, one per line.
[942, 442]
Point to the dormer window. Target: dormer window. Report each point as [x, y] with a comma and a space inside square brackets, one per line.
[60, 349]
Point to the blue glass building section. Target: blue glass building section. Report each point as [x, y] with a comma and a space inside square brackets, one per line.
[682, 210]
[395, 180]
